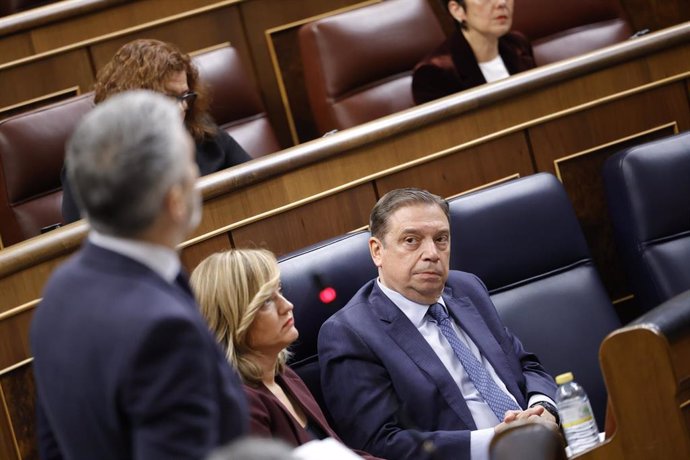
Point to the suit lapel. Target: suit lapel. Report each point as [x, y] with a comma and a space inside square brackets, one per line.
[405, 334]
[465, 63]
[467, 316]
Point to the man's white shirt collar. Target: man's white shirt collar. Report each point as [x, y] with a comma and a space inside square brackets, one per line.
[414, 311]
[162, 260]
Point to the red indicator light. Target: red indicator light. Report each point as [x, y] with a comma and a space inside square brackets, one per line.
[327, 295]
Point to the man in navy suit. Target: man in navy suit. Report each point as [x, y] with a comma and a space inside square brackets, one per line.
[124, 365]
[396, 370]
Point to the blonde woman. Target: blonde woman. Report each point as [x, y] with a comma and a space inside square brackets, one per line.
[240, 296]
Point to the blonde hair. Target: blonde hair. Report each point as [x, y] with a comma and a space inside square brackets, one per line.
[230, 287]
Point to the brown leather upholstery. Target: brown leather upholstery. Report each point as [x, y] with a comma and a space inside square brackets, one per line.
[358, 65]
[32, 144]
[529, 441]
[235, 102]
[559, 29]
[32, 150]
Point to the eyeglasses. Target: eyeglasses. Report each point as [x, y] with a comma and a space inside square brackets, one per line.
[189, 97]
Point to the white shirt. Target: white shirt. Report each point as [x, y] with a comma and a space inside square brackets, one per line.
[160, 259]
[494, 69]
[482, 414]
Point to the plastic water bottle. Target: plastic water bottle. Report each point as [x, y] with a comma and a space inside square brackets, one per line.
[575, 411]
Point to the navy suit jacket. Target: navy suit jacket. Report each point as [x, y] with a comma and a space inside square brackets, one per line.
[125, 366]
[386, 389]
[452, 67]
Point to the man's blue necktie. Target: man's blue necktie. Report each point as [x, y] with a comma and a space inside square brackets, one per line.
[498, 401]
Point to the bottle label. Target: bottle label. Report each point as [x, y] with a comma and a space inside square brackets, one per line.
[579, 426]
[574, 415]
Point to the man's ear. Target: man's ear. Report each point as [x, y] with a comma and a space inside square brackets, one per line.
[457, 11]
[176, 203]
[375, 248]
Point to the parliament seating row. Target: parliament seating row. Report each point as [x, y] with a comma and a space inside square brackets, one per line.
[32, 144]
[384, 41]
[522, 239]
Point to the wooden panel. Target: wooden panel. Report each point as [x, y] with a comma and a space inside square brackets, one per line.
[49, 75]
[22, 288]
[289, 68]
[190, 34]
[311, 223]
[581, 177]
[605, 123]
[257, 21]
[14, 338]
[466, 169]
[115, 19]
[8, 449]
[33, 104]
[14, 47]
[195, 253]
[18, 388]
[590, 129]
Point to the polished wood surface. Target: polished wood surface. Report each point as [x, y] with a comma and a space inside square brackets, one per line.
[656, 14]
[325, 187]
[646, 367]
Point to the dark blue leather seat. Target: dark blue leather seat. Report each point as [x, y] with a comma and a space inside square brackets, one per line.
[342, 264]
[648, 195]
[523, 240]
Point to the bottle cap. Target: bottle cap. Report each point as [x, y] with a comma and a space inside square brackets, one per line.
[564, 378]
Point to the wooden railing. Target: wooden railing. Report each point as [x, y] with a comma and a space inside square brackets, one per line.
[565, 118]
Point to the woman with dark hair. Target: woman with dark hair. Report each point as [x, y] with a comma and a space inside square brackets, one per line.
[482, 50]
[162, 67]
[239, 294]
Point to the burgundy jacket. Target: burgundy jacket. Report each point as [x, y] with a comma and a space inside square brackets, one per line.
[452, 66]
[270, 419]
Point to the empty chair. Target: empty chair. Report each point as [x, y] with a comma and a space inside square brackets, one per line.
[528, 441]
[320, 280]
[523, 240]
[235, 102]
[32, 150]
[567, 28]
[358, 65]
[648, 195]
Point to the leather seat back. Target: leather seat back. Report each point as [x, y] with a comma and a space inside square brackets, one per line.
[235, 102]
[32, 151]
[358, 65]
[566, 28]
[342, 264]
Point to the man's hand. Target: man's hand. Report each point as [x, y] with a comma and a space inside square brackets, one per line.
[536, 414]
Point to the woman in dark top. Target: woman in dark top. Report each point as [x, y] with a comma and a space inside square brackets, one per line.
[239, 295]
[162, 67]
[482, 50]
